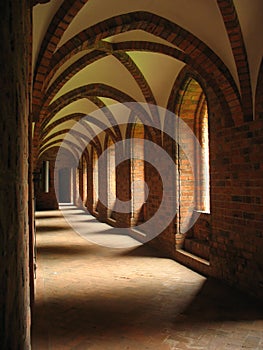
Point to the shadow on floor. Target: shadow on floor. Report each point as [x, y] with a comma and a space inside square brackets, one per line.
[50, 228]
[219, 302]
[144, 250]
[54, 251]
[41, 216]
[123, 314]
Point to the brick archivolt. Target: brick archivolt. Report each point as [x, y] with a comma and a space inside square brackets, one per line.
[187, 48]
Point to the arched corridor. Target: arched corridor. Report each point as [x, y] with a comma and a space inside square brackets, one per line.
[92, 297]
[146, 116]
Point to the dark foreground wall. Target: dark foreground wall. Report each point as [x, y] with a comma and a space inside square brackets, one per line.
[14, 111]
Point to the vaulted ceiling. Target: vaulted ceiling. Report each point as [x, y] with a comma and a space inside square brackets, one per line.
[93, 53]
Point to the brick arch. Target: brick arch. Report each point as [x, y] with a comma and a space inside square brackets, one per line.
[129, 64]
[77, 135]
[188, 100]
[61, 140]
[151, 133]
[87, 91]
[50, 145]
[188, 97]
[77, 117]
[84, 92]
[150, 47]
[109, 177]
[54, 143]
[206, 62]
[45, 141]
[117, 50]
[231, 21]
[68, 73]
[120, 47]
[101, 105]
[186, 74]
[56, 29]
[90, 58]
[259, 94]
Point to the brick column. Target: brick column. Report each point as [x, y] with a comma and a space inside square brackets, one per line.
[15, 27]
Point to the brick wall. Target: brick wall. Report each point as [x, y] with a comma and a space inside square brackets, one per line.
[45, 200]
[237, 205]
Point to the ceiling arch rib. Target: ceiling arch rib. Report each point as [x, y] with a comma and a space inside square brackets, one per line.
[108, 114]
[126, 60]
[133, 69]
[79, 93]
[97, 47]
[107, 70]
[77, 117]
[54, 137]
[52, 120]
[84, 92]
[84, 129]
[153, 47]
[85, 106]
[65, 125]
[234, 32]
[76, 138]
[74, 116]
[90, 58]
[120, 47]
[69, 145]
[57, 27]
[54, 144]
[194, 16]
[89, 122]
[205, 59]
[68, 73]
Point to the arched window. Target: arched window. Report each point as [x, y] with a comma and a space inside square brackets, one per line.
[65, 185]
[79, 180]
[95, 168]
[193, 184]
[137, 174]
[202, 162]
[85, 180]
[111, 175]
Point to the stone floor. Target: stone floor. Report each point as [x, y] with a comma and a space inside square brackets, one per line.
[93, 297]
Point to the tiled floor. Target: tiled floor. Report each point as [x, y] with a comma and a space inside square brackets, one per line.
[98, 298]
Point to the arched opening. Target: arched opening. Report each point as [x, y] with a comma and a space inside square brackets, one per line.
[95, 177]
[65, 191]
[202, 161]
[111, 179]
[193, 184]
[85, 180]
[137, 174]
[80, 179]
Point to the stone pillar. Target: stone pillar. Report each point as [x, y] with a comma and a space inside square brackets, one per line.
[15, 28]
